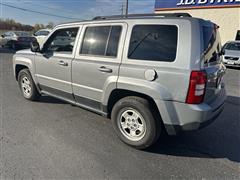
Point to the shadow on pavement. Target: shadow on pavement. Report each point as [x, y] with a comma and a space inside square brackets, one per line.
[233, 67]
[220, 140]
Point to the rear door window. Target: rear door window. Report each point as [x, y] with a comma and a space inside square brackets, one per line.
[114, 38]
[153, 43]
[101, 41]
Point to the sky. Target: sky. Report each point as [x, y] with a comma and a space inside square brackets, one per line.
[71, 10]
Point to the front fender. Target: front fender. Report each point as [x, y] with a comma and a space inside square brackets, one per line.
[24, 61]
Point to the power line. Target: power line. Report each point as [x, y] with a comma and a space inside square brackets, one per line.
[45, 6]
[38, 12]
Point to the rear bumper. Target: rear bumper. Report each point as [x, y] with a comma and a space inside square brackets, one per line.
[175, 129]
[184, 117]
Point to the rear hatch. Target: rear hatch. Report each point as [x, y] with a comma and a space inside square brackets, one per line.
[212, 60]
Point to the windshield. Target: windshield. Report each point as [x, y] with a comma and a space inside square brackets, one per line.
[22, 34]
[233, 46]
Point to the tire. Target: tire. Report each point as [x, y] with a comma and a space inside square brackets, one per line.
[27, 85]
[134, 122]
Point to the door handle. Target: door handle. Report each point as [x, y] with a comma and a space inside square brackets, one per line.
[104, 69]
[62, 63]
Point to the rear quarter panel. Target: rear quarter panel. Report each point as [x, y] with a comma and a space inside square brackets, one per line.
[172, 79]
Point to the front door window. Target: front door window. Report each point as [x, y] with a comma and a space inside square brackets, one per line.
[62, 41]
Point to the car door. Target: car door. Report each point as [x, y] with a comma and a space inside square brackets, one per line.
[97, 62]
[53, 64]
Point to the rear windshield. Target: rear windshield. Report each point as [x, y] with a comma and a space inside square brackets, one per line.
[209, 37]
[233, 46]
[153, 43]
[211, 43]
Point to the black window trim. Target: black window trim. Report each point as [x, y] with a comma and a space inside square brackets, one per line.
[106, 47]
[152, 61]
[237, 38]
[100, 25]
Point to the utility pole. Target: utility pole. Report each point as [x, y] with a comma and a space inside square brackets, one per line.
[126, 8]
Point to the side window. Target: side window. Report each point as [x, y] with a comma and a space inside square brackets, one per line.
[209, 37]
[101, 40]
[62, 41]
[115, 34]
[153, 43]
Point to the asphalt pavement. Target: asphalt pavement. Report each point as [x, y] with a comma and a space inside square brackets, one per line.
[51, 139]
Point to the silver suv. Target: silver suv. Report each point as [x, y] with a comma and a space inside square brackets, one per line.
[148, 73]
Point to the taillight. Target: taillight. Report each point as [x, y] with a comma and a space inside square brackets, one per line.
[197, 87]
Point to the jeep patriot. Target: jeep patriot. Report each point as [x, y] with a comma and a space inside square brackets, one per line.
[149, 73]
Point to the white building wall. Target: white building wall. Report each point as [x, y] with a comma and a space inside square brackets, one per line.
[227, 18]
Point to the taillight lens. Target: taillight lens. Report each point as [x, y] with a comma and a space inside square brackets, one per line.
[197, 87]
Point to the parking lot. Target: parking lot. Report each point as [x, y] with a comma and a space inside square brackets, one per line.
[51, 139]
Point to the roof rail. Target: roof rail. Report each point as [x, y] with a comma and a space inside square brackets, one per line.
[142, 15]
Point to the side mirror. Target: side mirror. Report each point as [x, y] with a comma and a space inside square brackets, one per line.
[35, 47]
[2, 36]
[34, 34]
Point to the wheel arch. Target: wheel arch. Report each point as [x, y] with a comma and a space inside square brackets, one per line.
[118, 94]
[18, 68]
